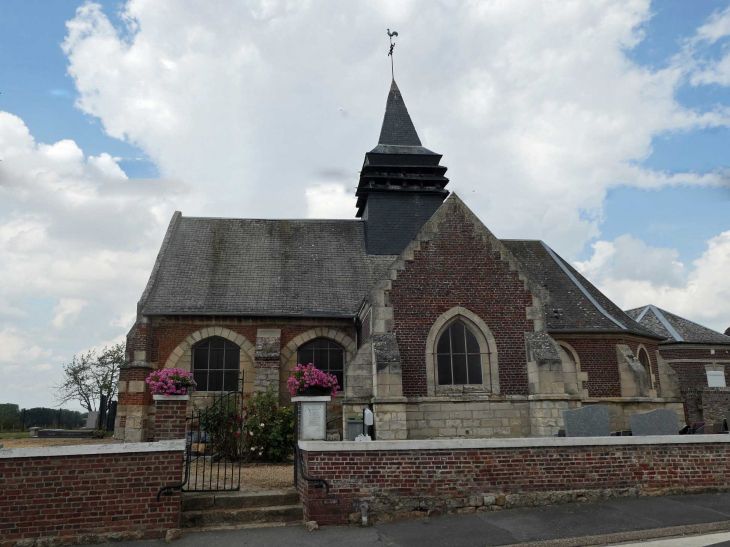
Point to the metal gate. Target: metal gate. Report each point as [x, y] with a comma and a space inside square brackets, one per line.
[214, 444]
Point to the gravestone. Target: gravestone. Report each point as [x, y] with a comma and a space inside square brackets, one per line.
[655, 422]
[588, 421]
[66, 433]
[91, 419]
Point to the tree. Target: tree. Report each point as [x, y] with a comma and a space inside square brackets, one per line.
[9, 416]
[727, 332]
[89, 376]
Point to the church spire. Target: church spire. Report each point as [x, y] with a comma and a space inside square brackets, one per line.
[401, 182]
[397, 126]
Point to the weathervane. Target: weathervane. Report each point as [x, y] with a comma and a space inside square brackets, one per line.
[390, 53]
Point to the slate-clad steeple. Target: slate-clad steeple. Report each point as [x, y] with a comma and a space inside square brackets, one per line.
[401, 182]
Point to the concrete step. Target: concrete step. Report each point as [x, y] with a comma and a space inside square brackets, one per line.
[252, 526]
[238, 500]
[250, 515]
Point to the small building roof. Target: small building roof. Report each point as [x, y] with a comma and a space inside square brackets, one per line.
[575, 304]
[675, 329]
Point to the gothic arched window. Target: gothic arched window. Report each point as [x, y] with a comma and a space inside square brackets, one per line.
[644, 360]
[216, 364]
[458, 358]
[326, 355]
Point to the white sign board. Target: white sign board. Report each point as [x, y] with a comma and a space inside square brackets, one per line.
[313, 421]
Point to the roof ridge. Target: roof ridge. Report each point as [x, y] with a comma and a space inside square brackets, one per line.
[664, 321]
[580, 286]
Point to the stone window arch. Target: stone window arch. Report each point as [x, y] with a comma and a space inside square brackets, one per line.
[290, 354]
[181, 356]
[450, 323]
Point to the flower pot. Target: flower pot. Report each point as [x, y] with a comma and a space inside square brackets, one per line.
[314, 391]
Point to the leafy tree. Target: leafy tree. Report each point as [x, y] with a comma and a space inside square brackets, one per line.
[9, 416]
[89, 376]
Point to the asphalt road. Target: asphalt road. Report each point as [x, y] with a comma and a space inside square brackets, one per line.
[615, 520]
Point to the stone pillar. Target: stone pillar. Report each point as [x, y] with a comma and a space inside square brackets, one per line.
[134, 419]
[267, 360]
[170, 414]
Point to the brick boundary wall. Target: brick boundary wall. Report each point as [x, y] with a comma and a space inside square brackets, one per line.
[64, 495]
[400, 479]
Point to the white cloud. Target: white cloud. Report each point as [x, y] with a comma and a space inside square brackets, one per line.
[17, 347]
[532, 99]
[329, 200]
[701, 295]
[44, 367]
[67, 309]
[75, 234]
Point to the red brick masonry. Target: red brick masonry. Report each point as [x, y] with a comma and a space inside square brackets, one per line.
[478, 475]
[170, 416]
[88, 493]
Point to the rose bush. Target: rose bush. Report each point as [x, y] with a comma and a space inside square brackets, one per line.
[304, 378]
[268, 429]
[171, 381]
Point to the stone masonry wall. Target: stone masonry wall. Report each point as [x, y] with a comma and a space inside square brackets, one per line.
[401, 483]
[440, 417]
[87, 497]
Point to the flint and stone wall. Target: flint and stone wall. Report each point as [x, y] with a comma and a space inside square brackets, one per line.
[400, 479]
[88, 493]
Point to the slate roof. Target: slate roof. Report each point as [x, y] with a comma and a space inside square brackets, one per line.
[214, 266]
[676, 329]
[397, 129]
[575, 304]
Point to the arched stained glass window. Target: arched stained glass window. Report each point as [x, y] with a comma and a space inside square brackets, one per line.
[216, 363]
[326, 355]
[458, 358]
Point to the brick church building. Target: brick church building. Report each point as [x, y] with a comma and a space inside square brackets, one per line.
[424, 315]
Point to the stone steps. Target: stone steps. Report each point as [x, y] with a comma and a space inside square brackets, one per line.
[223, 510]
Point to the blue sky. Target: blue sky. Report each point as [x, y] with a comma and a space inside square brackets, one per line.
[157, 106]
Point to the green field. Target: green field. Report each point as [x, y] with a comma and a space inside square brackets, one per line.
[14, 434]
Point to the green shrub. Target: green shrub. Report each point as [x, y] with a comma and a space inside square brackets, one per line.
[268, 429]
[222, 422]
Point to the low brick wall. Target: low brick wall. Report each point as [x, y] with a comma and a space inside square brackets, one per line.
[88, 493]
[398, 479]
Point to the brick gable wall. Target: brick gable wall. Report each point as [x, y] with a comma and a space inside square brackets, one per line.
[458, 268]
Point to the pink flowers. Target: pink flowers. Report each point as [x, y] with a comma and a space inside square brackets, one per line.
[304, 377]
[171, 381]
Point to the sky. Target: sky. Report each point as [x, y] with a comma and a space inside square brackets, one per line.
[599, 127]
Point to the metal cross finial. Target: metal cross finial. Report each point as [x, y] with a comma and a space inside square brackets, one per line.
[390, 53]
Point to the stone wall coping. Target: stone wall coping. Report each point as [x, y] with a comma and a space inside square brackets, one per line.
[305, 399]
[157, 397]
[633, 400]
[89, 449]
[527, 442]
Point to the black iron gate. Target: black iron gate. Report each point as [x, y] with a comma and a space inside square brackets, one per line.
[214, 443]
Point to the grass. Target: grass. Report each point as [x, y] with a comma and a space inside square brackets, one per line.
[14, 434]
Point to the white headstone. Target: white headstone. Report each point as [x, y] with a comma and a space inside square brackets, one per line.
[313, 421]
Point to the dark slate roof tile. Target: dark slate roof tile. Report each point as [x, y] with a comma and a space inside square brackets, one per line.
[569, 309]
[689, 331]
[398, 128]
[264, 267]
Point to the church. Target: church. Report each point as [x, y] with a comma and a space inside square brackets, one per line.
[427, 318]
